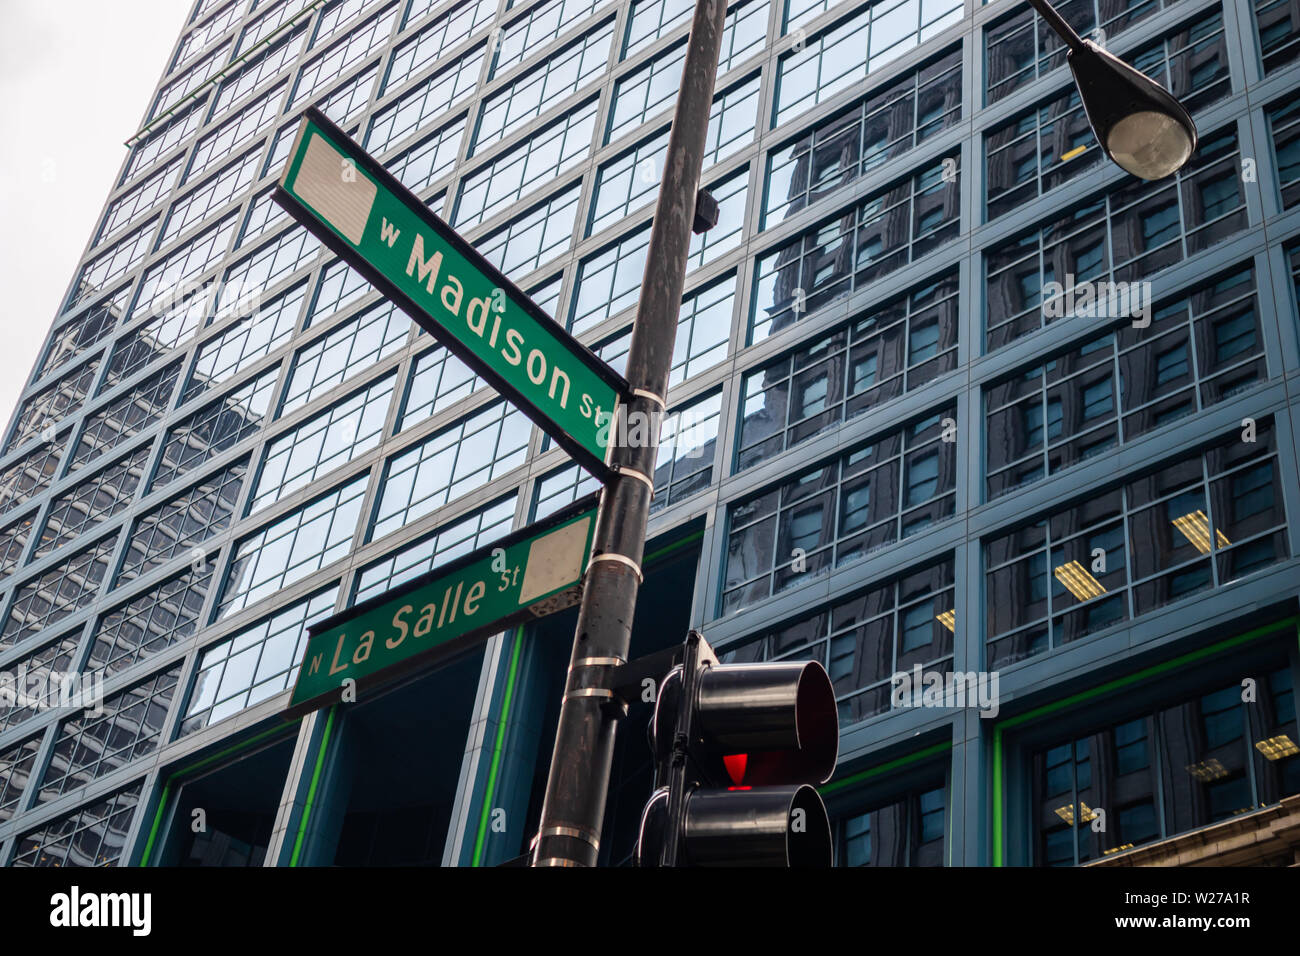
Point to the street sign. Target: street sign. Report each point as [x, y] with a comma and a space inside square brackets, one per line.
[530, 573]
[375, 224]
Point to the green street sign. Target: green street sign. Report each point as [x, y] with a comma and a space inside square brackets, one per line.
[531, 573]
[375, 224]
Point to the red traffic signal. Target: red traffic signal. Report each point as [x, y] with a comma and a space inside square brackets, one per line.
[739, 749]
[775, 723]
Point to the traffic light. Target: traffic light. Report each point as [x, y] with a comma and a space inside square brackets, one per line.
[738, 749]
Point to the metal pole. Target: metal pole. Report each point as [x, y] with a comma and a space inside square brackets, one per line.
[1057, 23]
[574, 809]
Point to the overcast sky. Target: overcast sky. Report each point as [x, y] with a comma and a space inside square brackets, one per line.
[74, 79]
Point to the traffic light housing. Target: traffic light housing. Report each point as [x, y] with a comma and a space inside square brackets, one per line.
[738, 750]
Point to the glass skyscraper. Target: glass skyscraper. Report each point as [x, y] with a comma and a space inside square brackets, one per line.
[884, 449]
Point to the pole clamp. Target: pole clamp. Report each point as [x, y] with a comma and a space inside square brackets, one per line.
[641, 476]
[604, 692]
[650, 396]
[598, 662]
[573, 833]
[617, 559]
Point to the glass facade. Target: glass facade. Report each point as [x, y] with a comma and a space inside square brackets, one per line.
[884, 448]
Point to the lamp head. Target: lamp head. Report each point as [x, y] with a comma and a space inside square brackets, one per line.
[1139, 125]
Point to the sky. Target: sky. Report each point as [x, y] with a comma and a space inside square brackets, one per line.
[75, 78]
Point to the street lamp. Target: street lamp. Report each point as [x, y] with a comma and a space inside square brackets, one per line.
[1139, 125]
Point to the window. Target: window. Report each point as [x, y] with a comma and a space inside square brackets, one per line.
[1284, 123]
[430, 159]
[1023, 47]
[90, 746]
[345, 351]
[15, 772]
[1293, 260]
[341, 433]
[843, 56]
[281, 143]
[559, 488]
[239, 130]
[13, 542]
[871, 239]
[335, 16]
[439, 381]
[125, 417]
[216, 427]
[293, 547]
[44, 410]
[111, 264]
[256, 663]
[151, 621]
[177, 527]
[565, 72]
[244, 342]
[161, 140]
[1191, 63]
[449, 463]
[246, 280]
[651, 89]
[905, 832]
[534, 162]
[196, 205]
[198, 39]
[58, 655]
[425, 102]
[865, 639]
[1196, 351]
[439, 36]
[529, 33]
[139, 199]
[30, 475]
[346, 102]
[453, 540]
[344, 55]
[547, 294]
[703, 330]
[190, 81]
[628, 183]
[73, 339]
[154, 339]
[94, 500]
[1129, 234]
[1219, 757]
[848, 146]
[631, 181]
[94, 835]
[338, 288]
[650, 20]
[1278, 23]
[688, 439]
[263, 25]
[898, 347]
[608, 282]
[264, 65]
[158, 288]
[731, 194]
[534, 238]
[1053, 144]
[1205, 520]
[841, 510]
[264, 214]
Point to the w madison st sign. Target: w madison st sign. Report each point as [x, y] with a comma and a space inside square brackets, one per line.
[377, 225]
